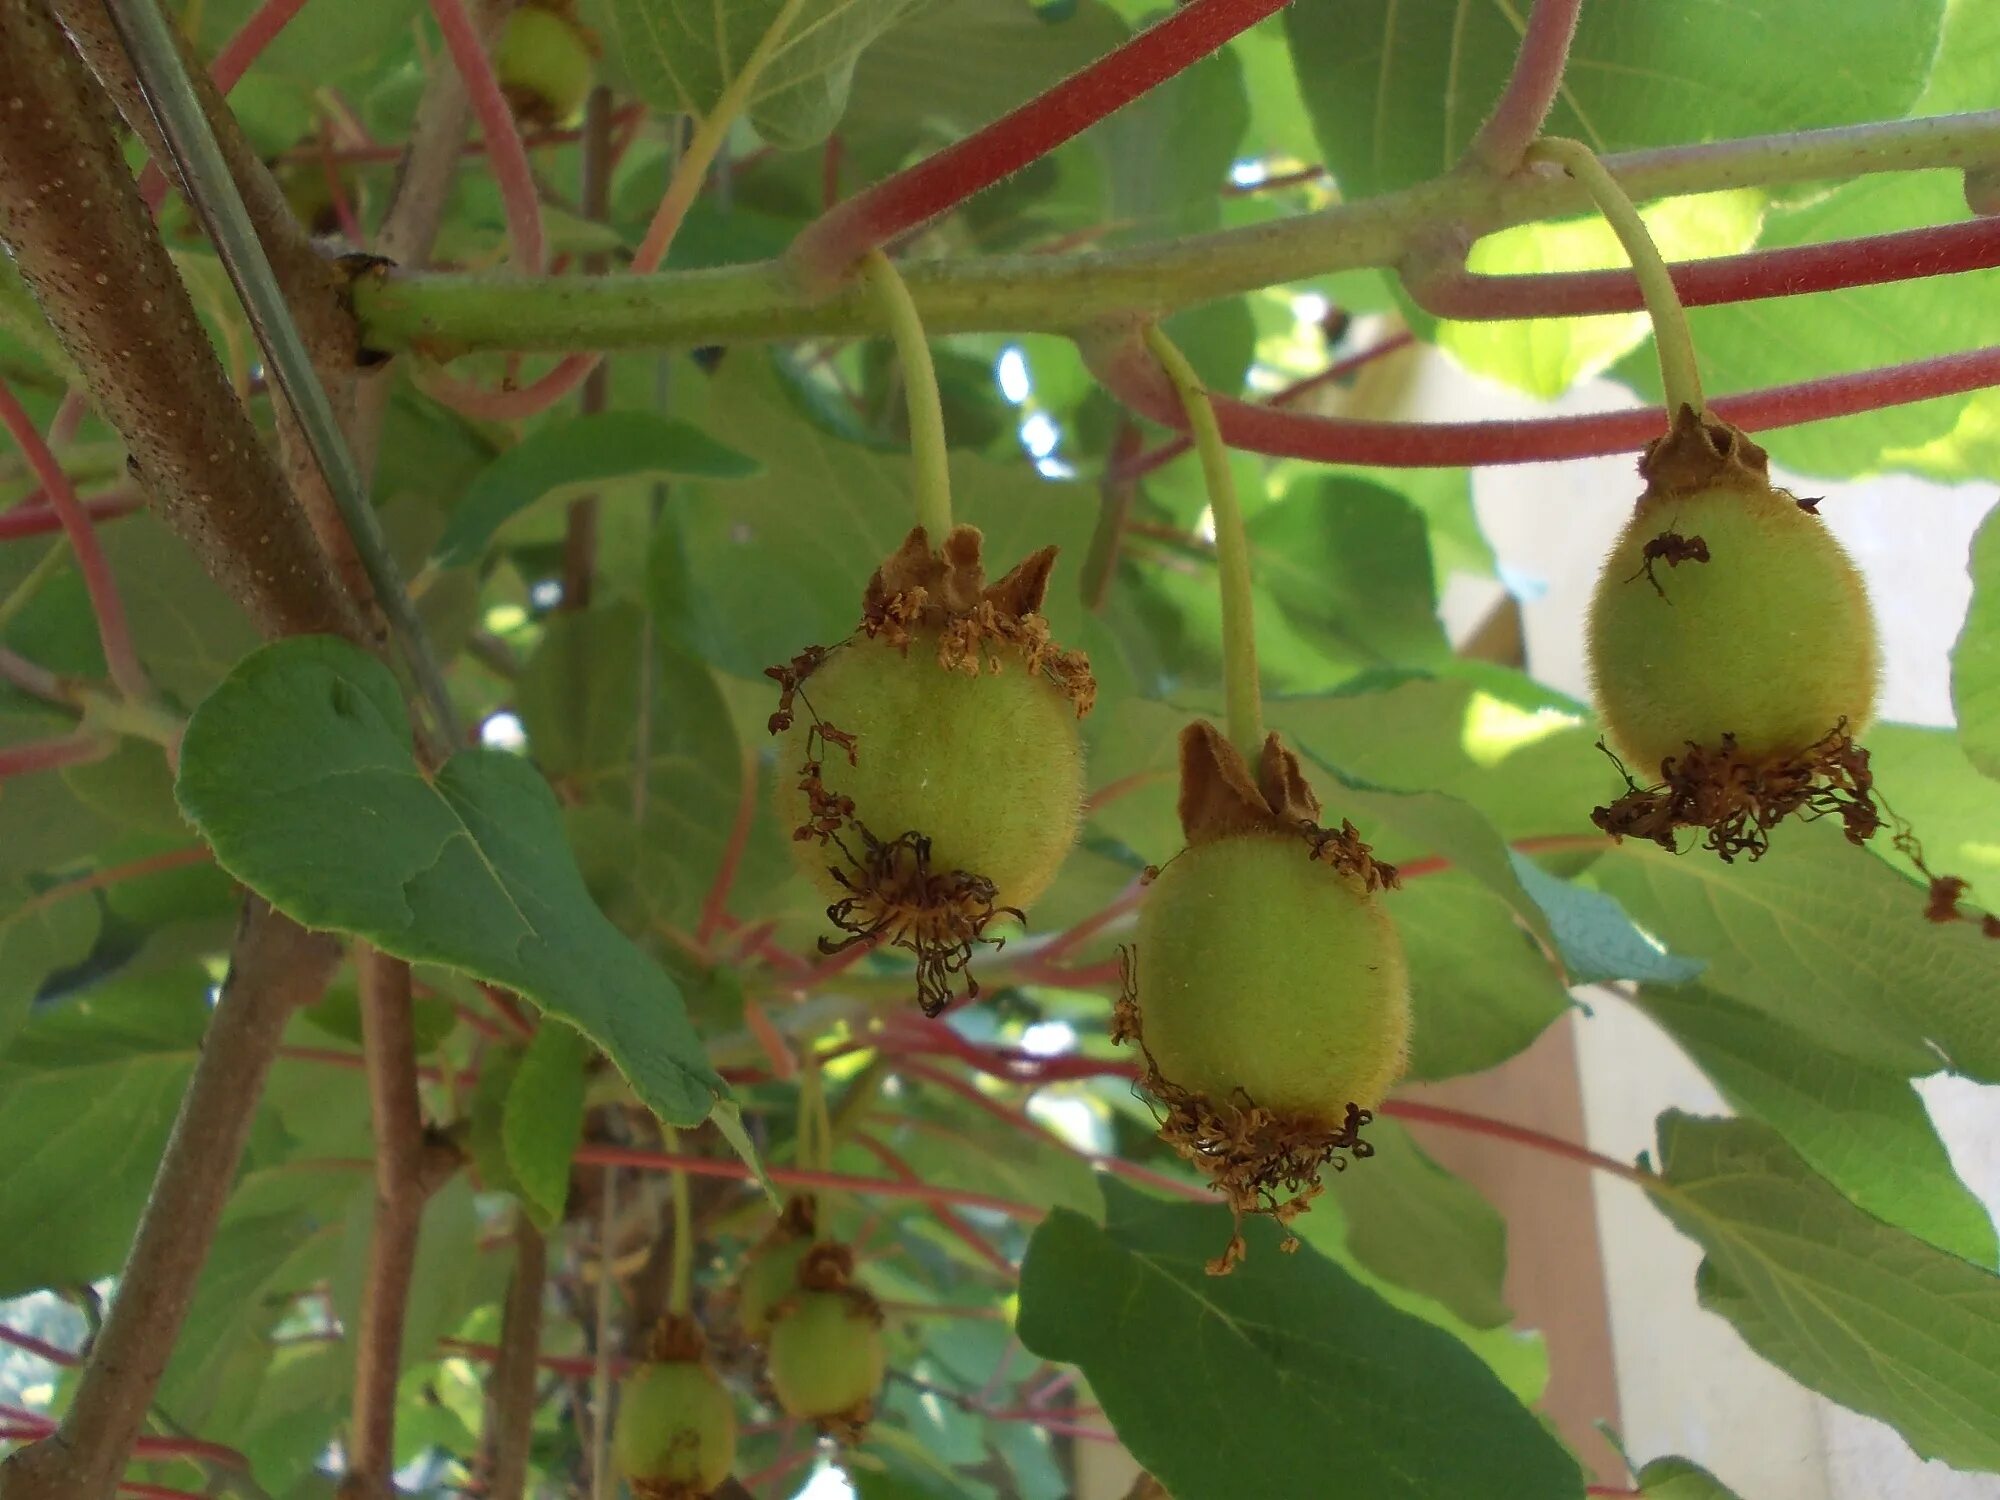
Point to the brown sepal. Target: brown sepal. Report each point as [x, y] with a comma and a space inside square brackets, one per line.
[1699, 453]
[676, 1340]
[1219, 800]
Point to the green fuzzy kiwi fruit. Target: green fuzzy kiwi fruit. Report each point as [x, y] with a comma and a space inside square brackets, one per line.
[676, 1432]
[988, 766]
[545, 65]
[826, 1357]
[1264, 970]
[1769, 640]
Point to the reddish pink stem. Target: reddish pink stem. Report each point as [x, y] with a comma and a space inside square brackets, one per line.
[29, 1344]
[715, 907]
[1531, 88]
[144, 1450]
[97, 580]
[1131, 376]
[591, 1154]
[236, 58]
[505, 151]
[829, 246]
[1794, 270]
[963, 1232]
[38, 518]
[1457, 1119]
[52, 754]
[1333, 374]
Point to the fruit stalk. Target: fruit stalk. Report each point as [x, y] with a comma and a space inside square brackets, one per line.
[1244, 709]
[1679, 375]
[930, 458]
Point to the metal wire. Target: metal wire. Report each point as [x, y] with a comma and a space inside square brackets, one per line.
[156, 62]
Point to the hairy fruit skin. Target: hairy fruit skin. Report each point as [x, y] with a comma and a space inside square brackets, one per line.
[1770, 640]
[987, 766]
[1264, 971]
[826, 1358]
[676, 1432]
[545, 65]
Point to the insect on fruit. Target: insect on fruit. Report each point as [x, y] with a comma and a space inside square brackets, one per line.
[931, 769]
[1271, 999]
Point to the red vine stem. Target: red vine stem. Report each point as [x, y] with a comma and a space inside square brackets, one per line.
[53, 753]
[27, 1343]
[505, 151]
[1790, 271]
[1129, 374]
[1333, 374]
[105, 604]
[151, 864]
[600, 1154]
[236, 58]
[828, 247]
[953, 1223]
[1455, 1119]
[1531, 88]
[38, 518]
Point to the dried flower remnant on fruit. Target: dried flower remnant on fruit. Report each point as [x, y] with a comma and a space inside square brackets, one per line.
[1264, 1155]
[939, 775]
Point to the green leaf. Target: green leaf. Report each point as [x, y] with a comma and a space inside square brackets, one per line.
[188, 631]
[1864, 1314]
[298, 771]
[1975, 660]
[88, 1090]
[748, 575]
[573, 457]
[1480, 989]
[543, 1121]
[37, 938]
[682, 54]
[1396, 88]
[1677, 1479]
[486, 1137]
[1237, 1386]
[1349, 563]
[1598, 938]
[1412, 1222]
[1861, 1127]
[1825, 938]
[131, 787]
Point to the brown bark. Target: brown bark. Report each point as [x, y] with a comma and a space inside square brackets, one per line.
[275, 967]
[314, 287]
[71, 216]
[510, 1389]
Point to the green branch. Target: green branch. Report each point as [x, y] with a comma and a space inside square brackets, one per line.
[445, 315]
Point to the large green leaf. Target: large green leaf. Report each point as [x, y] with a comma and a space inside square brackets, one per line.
[88, 1090]
[298, 770]
[37, 938]
[1242, 1387]
[572, 458]
[1827, 939]
[1480, 988]
[1975, 660]
[1412, 1222]
[682, 54]
[1861, 1127]
[747, 575]
[1349, 563]
[1677, 1479]
[1865, 1314]
[544, 1119]
[1396, 88]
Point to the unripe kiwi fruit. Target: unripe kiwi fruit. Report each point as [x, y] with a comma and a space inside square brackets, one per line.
[676, 1432]
[988, 766]
[770, 1271]
[825, 1357]
[1265, 971]
[1769, 640]
[545, 63]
